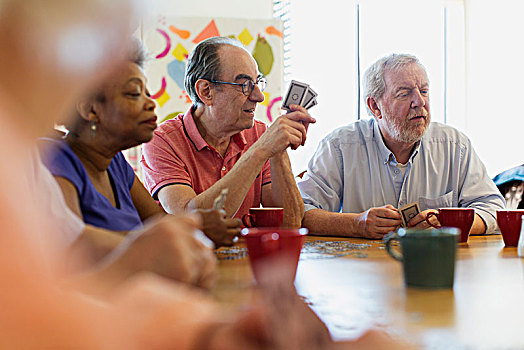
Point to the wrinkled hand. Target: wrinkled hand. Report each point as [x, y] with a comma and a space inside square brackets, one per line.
[288, 130]
[293, 325]
[218, 227]
[419, 220]
[168, 248]
[377, 222]
[279, 321]
[297, 114]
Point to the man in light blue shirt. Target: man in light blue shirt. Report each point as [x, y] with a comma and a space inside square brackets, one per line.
[361, 173]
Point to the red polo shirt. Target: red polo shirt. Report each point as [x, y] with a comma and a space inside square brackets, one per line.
[177, 154]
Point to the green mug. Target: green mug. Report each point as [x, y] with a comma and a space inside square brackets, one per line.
[428, 256]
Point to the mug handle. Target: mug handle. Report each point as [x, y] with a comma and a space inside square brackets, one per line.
[393, 236]
[247, 220]
[430, 214]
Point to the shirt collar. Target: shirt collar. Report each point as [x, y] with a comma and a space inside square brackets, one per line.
[239, 139]
[385, 153]
[198, 140]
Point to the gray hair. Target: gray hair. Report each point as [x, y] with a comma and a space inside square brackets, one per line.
[204, 63]
[138, 53]
[373, 79]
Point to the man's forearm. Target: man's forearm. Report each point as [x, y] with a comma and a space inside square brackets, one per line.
[321, 222]
[284, 191]
[239, 180]
[478, 227]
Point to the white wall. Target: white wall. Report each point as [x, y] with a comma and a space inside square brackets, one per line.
[495, 75]
[259, 9]
[323, 55]
[494, 42]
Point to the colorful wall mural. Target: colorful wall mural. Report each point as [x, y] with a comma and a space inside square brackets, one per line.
[172, 39]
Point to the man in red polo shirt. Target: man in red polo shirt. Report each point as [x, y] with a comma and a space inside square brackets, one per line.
[217, 143]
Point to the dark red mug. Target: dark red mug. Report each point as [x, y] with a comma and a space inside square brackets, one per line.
[510, 222]
[264, 217]
[461, 218]
[274, 244]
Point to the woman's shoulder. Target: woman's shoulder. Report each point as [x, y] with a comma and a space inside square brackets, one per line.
[54, 145]
[52, 150]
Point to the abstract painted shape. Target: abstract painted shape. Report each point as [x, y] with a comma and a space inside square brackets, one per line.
[168, 44]
[176, 71]
[185, 96]
[163, 99]
[274, 31]
[263, 54]
[180, 52]
[209, 31]
[267, 97]
[183, 34]
[245, 37]
[271, 104]
[170, 116]
[161, 90]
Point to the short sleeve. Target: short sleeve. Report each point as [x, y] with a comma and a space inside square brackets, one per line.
[62, 162]
[322, 184]
[162, 165]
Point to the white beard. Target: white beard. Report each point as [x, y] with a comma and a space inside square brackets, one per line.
[401, 130]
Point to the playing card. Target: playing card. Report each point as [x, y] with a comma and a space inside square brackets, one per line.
[311, 103]
[310, 96]
[201, 236]
[296, 93]
[409, 211]
[220, 200]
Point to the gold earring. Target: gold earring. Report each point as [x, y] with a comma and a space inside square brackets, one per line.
[93, 128]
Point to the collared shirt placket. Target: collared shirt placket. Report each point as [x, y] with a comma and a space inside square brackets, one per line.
[403, 197]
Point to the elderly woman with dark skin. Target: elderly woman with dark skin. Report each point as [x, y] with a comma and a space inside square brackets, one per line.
[97, 182]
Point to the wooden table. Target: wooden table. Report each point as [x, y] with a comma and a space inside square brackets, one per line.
[484, 310]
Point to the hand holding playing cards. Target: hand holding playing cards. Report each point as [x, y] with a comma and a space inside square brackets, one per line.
[419, 221]
[296, 113]
[220, 229]
[377, 222]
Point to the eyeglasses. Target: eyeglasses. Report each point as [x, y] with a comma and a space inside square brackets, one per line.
[247, 86]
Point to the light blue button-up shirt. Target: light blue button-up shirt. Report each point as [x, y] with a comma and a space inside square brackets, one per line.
[353, 170]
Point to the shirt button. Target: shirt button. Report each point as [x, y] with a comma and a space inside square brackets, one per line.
[223, 168]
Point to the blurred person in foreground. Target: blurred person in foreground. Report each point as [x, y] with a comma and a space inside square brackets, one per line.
[42, 309]
[362, 173]
[37, 86]
[217, 144]
[98, 184]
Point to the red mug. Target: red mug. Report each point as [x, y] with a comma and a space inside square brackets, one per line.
[274, 244]
[264, 217]
[510, 222]
[461, 218]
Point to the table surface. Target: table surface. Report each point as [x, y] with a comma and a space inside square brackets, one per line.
[355, 288]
